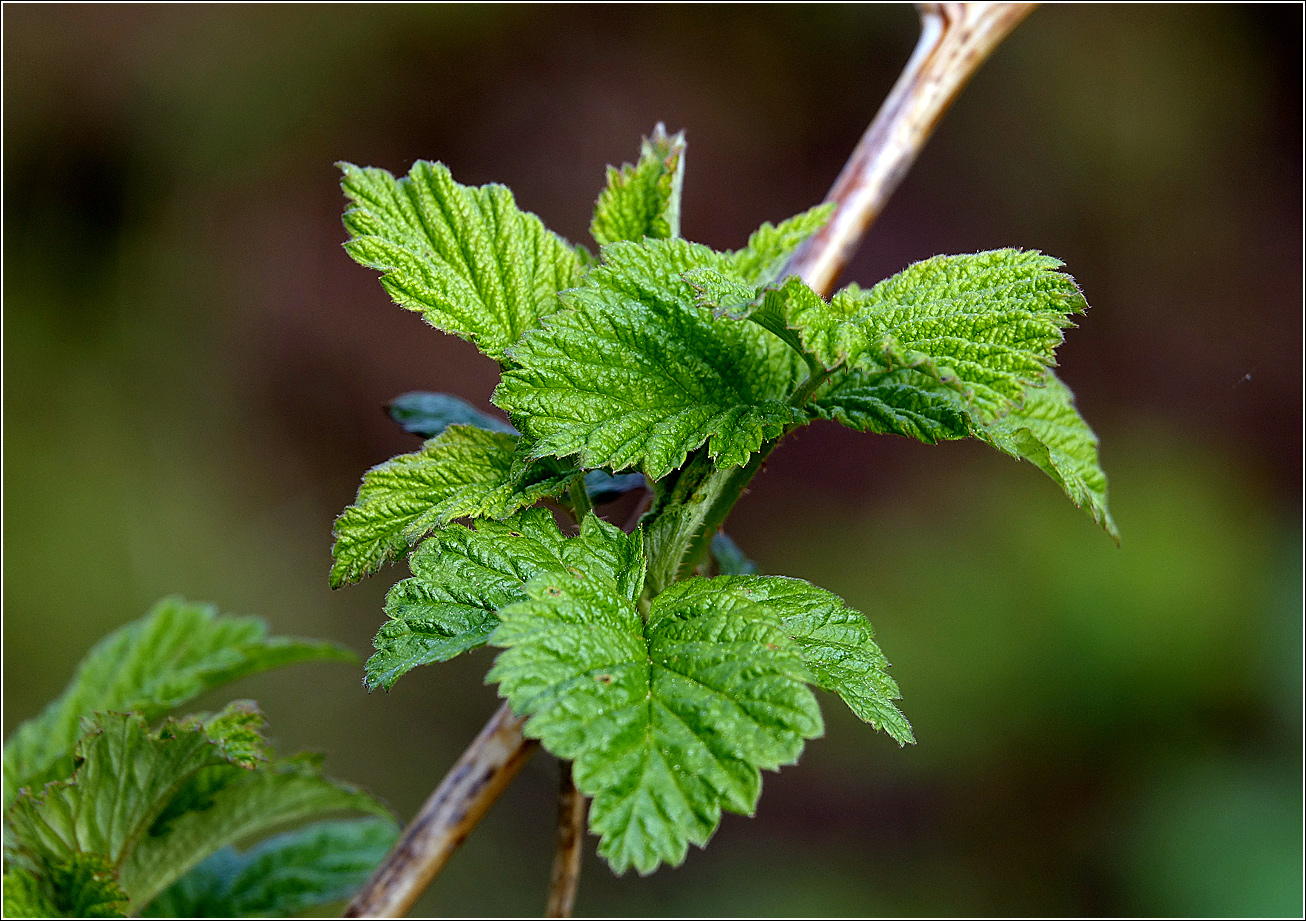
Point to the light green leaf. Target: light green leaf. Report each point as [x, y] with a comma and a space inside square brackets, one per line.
[83, 886]
[1048, 432]
[463, 472]
[464, 257]
[247, 804]
[285, 875]
[26, 896]
[126, 778]
[461, 577]
[769, 248]
[835, 642]
[643, 200]
[1045, 429]
[985, 324]
[429, 414]
[173, 654]
[634, 374]
[667, 722]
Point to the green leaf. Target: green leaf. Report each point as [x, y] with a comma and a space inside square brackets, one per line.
[835, 642]
[463, 472]
[730, 560]
[1045, 429]
[81, 887]
[902, 402]
[463, 257]
[643, 200]
[462, 577]
[429, 414]
[987, 324]
[667, 722]
[250, 803]
[770, 247]
[125, 779]
[173, 654]
[285, 875]
[635, 374]
[26, 895]
[1048, 432]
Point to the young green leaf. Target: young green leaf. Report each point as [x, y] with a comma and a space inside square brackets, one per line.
[634, 374]
[464, 257]
[173, 654]
[1049, 432]
[84, 886]
[769, 248]
[285, 875]
[985, 324]
[462, 577]
[643, 200]
[835, 642]
[463, 472]
[667, 722]
[1045, 429]
[429, 414]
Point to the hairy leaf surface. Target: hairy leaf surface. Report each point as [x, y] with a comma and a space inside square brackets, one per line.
[173, 654]
[769, 247]
[835, 642]
[635, 374]
[1049, 432]
[463, 472]
[643, 200]
[985, 324]
[463, 257]
[667, 722]
[286, 875]
[83, 886]
[463, 576]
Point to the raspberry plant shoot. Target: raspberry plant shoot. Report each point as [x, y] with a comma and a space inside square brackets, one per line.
[655, 659]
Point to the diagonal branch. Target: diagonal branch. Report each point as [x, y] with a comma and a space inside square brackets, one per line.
[955, 40]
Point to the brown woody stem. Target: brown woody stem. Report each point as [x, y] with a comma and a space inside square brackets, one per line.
[955, 40]
[567, 848]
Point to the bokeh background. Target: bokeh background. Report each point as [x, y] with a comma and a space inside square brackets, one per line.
[194, 373]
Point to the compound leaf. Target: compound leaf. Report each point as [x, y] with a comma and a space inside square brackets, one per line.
[643, 200]
[465, 471]
[463, 257]
[429, 414]
[284, 875]
[173, 654]
[667, 722]
[635, 374]
[463, 576]
[986, 324]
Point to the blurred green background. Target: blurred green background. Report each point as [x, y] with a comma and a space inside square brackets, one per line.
[194, 373]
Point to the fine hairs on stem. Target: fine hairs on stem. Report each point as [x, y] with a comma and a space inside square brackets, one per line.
[955, 39]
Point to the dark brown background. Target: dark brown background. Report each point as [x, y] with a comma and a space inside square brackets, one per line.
[194, 371]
